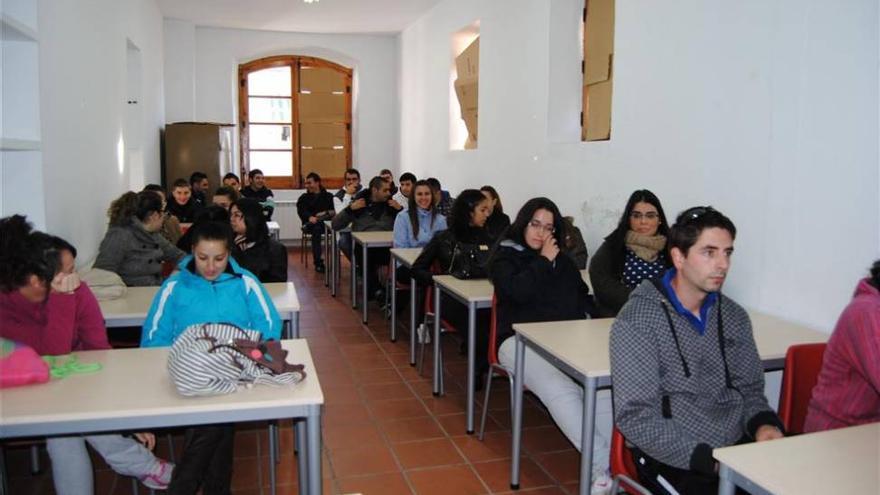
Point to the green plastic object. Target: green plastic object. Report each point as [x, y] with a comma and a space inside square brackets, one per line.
[64, 366]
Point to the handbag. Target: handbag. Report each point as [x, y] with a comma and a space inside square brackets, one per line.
[469, 261]
[218, 358]
[20, 365]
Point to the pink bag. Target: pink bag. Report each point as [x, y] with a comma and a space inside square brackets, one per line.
[20, 365]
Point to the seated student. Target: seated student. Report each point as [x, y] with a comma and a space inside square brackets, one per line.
[407, 181]
[182, 205]
[170, 225]
[467, 222]
[232, 180]
[573, 244]
[341, 199]
[313, 207]
[848, 390]
[44, 305]
[133, 248]
[417, 224]
[256, 189]
[635, 251]
[388, 176]
[213, 213]
[535, 281]
[199, 183]
[253, 249]
[686, 373]
[370, 211]
[209, 287]
[442, 198]
[498, 221]
[224, 197]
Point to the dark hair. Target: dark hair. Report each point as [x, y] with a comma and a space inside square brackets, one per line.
[62, 245]
[230, 175]
[385, 171]
[314, 176]
[407, 176]
[253, 173]
[227, 191]
[491, 190]
[181, 183]
[517, 229]
[254, 221]
[413, 209]
[211, 213]
[376, 182]
[155, 188]
[690, 224]
[462, 207]
[434, 183]
[25, 252]
[197, 176]
[132, 204]
[353, 171]
[875, 274]
[212, 231]
[640, 196]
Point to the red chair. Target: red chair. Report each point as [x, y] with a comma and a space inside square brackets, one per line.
[802, 365]
[623, 468]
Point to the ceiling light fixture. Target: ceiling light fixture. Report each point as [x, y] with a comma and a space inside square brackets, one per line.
[311, 1]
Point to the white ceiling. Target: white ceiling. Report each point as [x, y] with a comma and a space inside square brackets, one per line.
[324, 16]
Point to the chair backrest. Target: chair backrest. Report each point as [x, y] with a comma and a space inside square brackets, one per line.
[621, 458]
[493, 331]
[802, 365]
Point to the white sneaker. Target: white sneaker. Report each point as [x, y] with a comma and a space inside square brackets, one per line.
[601, 482]
[423, 334]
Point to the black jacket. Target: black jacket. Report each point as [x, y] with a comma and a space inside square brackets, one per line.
[310, 204]
[267, 260]
[185, 213]
[441, 248]
[531, 288]
[496, 224]
[374, 217]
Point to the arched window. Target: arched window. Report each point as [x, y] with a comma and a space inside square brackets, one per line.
[295, 118]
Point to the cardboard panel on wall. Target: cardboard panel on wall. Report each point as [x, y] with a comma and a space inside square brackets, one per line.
[597, 111]
[326, 162]
[321, 108]
[322, 135]
[598, 41]
[321, 80]
[468, 63]
[466, 88]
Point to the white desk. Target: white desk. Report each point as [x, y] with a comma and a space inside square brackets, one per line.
[367, 240]
[846, 460]
[274, 230]
[404, 257]
[109, 400]
[580, 349]
[131, 310]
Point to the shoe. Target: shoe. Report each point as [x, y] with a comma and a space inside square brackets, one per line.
[423, 334]
[601, 482]
[320, 268]
[160, 479]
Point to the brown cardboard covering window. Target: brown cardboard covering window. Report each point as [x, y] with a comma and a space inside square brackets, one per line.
[598, 41]
[325, 162]
[321, 108]
[467, 91]
[470, 121]
[468, 63]
[597, 111]
[320, 79]
[322, 135]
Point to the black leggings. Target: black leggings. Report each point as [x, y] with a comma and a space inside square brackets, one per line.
[206, 461]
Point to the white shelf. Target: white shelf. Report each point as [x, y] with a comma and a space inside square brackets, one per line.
[12, 144]
[13, 30]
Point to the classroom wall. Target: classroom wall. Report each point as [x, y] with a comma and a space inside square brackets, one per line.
[766, 110]
[83, 101]
[202, 67]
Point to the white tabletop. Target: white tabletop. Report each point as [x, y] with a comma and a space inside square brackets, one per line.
[406, 256]
[273, 225]
[846, 460]
[374, 239]
[132, 309]
[134, 390]
[475, 290]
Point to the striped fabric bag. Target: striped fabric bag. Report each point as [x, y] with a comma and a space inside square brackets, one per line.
[217, 358]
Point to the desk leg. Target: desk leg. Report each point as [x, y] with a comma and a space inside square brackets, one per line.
[326, 256]
[353, 275]
[518, 370]
[472, 364]
[437, 365]
[286, 330]
[273, 467]
[588, 431]
[294, 321]
[302, 458]
[334, 264]
[412, 321]
[725, 484]
[393, 290]
[364, 287]
[313, 423]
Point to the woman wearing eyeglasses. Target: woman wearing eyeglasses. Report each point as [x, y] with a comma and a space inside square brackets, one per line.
[635, 251]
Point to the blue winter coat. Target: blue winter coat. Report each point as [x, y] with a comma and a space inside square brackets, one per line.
[403, 234]
[187, 298]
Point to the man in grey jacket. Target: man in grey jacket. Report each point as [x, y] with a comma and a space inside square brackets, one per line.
[685, 370]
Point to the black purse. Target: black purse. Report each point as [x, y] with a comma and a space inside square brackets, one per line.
[469, 261]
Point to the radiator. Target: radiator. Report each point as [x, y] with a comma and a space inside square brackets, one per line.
[285, 215]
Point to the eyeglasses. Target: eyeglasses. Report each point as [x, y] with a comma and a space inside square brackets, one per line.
[535, 224]
[651, 215]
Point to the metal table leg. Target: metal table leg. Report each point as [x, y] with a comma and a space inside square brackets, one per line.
[412, 320]
[518, 368]
[471, 367]
[302, 458]
[588, 433]
[393, 290]
[353, 275]
[437, 365]
[313, 449]
[364, 287]
[726, 485]
[334, 264]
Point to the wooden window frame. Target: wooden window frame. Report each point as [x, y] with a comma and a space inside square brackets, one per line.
[295, 62]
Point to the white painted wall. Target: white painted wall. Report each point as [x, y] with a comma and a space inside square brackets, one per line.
[209, 57]
[766, 110]
[83, 90]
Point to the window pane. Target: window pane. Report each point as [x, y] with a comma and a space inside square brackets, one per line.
[270, 82]
[270, 137]
[269, 110]
[272, 163]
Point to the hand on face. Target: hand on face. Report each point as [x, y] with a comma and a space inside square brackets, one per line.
[549, 249]
[65, 283]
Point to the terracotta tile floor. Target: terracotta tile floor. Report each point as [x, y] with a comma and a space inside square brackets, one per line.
[384, 432]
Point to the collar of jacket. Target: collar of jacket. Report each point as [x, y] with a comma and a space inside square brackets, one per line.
[509, 243]
[187, 267]
[699, 324]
